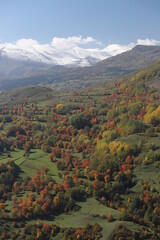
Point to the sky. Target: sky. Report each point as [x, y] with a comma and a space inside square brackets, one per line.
[86, 23]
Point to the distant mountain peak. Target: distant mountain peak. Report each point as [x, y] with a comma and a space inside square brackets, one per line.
[77, 57]
[64, 67]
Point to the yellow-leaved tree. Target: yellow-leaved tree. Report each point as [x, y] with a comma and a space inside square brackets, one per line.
[152, 116]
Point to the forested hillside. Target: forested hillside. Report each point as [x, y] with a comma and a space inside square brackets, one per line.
[82, 164]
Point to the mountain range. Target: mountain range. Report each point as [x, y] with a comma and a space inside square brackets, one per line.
[37, 68]
[77, 57]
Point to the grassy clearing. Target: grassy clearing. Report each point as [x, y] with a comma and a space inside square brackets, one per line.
[17, 156]
[146, 174]
[85, 215]
[108, 228]
[37, 160]
[88, 209]
[92, 206]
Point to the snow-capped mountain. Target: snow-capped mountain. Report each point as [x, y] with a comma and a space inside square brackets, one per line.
[28, 62]
[27, 57]
[46, 54]
[27, 67]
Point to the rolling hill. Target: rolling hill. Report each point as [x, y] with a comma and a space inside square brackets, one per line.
[93, 155]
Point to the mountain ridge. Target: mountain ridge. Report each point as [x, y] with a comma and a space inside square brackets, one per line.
[120, 65]
[77, 56]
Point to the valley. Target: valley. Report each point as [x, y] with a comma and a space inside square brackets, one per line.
[82, 163]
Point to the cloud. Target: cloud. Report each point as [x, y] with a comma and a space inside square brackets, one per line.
[147, 41]
[71, 42]
[114, 49]
[65, 51]
[22, 44]
[26, 43]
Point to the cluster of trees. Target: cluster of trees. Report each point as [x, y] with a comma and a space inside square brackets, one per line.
[122, 232]
[144, 206]
[41, 231]
[88, 232]
[8, 174]
[4, 145]
[45, 196]
[152, 115]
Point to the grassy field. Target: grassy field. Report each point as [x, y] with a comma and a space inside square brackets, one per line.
[88, 214]
[36, 161]
[147, 174]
